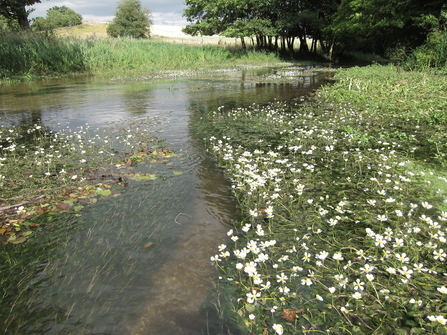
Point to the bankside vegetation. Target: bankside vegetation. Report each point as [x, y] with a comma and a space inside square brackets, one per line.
[28, 55]
[57, 17]
[131, 20]
[343, 205]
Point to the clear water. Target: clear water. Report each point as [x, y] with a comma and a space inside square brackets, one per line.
[96, 274]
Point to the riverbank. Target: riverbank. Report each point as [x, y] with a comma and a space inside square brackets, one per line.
[343, 206]
[33, 55]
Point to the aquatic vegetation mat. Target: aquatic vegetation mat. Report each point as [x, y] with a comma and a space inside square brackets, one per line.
[45, 172]
[343, 224]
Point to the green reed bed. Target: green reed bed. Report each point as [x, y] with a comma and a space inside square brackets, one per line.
[30, 54]
[27, 55]
[42, 171]
[343, 227]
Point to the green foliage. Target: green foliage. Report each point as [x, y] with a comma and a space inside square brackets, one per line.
[7, 25]
[377, 25]
[16, 10]
[131, 20]
[37, 54]
[268, 21]
[433, 54]
[355, 25]
[341, 220]
[57, 17]
[29, 53]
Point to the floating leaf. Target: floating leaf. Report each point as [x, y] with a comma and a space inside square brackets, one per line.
[177, 173]
[18, 240]
[138, 176]
[2, 230]
[12, 237]
[102, 192]
[148, 244]
[78, 208]
[26, 233]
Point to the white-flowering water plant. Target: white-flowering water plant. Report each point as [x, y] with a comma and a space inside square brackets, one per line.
[342, 231]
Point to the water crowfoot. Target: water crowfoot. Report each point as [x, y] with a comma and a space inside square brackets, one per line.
[357, 231]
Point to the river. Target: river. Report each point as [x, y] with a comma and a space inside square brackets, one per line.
[139, 263]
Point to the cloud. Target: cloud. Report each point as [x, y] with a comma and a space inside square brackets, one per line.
[163, 11]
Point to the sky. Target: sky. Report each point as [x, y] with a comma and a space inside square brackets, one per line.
[167, 12]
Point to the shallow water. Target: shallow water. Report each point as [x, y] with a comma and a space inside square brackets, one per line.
[97, 273]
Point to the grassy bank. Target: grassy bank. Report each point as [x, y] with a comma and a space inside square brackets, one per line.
[343, 205]
[28, 55]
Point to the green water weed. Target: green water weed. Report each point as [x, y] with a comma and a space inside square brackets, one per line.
[43, 171]
[339, 234]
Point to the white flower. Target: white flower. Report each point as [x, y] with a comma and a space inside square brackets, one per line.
[278, 329]
[322, 255]
[426, 205]
[357, 295]
[252, 296]
[439, 254]
[306, 281]
[370, 277]
[338, 256]
[442, 289]
[281, 279]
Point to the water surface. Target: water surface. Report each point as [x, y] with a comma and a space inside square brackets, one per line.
[97, 273]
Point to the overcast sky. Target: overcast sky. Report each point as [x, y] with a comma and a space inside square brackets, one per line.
[163, 11]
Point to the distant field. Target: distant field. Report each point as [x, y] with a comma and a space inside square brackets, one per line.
[89, 29]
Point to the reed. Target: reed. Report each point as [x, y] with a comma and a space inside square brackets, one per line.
[27, 55]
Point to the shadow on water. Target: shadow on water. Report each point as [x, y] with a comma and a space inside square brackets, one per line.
[138, 263]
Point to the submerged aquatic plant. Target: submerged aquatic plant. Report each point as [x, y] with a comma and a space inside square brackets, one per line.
[342, 230]
[42, 171]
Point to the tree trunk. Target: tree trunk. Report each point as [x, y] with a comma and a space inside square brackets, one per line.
[243, 43]
[22, 17]
[304, 48]
[283, 44]
[290, 42]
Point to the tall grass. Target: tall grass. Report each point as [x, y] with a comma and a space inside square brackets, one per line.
[128, 54]
[35, 54]
[27, 54]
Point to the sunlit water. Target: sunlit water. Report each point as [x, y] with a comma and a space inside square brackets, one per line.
[98, 273]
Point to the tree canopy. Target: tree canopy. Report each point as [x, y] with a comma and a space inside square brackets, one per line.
[15, 10]
[369, 25]
[131, 20]
[58, 17]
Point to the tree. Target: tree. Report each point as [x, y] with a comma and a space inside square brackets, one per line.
[15, 10]
[57, 17]
[63, 17]
[375, 25]
[131, 20]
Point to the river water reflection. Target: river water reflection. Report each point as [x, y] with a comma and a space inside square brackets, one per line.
[96, 274]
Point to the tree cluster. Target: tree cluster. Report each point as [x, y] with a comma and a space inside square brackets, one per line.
[131, 20]
[57, 17]
[368, 25]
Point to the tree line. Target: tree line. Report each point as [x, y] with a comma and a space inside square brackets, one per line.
[368, 25]
[131, 19]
